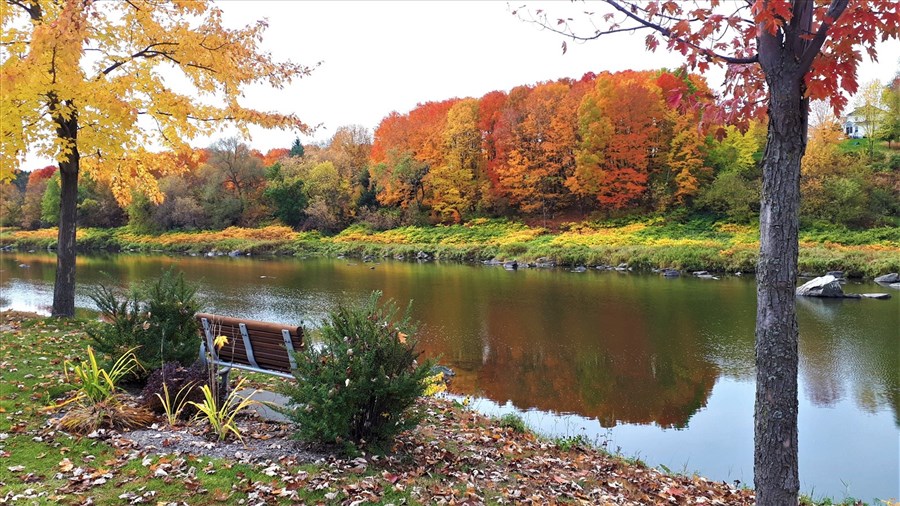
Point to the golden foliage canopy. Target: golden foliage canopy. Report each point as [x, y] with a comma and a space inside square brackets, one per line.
[134, 73]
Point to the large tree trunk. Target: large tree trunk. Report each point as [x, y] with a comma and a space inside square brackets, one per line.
[775, 456]
[64, 287]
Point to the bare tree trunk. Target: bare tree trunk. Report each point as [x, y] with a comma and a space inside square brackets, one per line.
[775, 456]
[64, 287]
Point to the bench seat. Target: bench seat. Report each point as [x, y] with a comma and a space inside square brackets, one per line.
[256, 346]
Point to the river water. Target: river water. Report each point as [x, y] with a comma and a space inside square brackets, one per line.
[660, 369]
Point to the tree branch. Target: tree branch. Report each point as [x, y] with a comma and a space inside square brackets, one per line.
[191, 117]
[147, 52]
[835, 10]
[34, 10]
[642, 23]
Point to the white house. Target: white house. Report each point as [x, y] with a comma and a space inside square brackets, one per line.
[862, 122]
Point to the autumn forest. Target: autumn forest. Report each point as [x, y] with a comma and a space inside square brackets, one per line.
[599, 147]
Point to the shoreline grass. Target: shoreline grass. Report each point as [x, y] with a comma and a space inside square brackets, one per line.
[650, 244]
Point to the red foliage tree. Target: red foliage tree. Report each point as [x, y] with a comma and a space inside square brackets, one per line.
[38, 175]
[275, 154]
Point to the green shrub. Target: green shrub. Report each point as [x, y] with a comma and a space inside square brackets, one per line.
[359, 386]
[513, 422]
[568, 443]
[157, 319]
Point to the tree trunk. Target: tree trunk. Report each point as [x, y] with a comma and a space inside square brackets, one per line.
[775, 457]
[64, 287]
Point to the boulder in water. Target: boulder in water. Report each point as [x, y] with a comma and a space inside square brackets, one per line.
[888, 278]
[823, 286]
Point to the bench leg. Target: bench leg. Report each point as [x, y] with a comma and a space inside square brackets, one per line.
[223, 383]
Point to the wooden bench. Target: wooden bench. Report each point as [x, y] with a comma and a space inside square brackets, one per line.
[256, 346]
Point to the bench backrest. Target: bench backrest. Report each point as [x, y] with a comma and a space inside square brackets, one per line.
[252, 345]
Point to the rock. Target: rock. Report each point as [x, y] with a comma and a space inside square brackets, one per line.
[895, 286]
[511, 266]
[700, 273]
[670, 273]
[235, 253]
[888, 278]
[443, 369]
[580, 268]
[492, 261]
[808, 275]
[837, 274]
[881, 296]
[706, 276]
[24, 266]
[544, 263]
[423, 256]
[824, 286]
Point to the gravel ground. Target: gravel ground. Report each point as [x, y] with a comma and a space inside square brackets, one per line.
[263, 441]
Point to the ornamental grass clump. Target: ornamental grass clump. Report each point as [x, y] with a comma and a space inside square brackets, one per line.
[98, 402]
[359, 387]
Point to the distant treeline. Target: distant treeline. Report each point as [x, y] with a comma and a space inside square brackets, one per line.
[607, 145]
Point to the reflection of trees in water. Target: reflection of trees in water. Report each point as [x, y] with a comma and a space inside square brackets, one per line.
[848, 344]
[619, 348]
[607, 365]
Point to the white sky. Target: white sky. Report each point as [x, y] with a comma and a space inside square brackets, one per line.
[379, 57]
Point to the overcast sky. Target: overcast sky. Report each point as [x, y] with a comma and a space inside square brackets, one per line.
[379, 57]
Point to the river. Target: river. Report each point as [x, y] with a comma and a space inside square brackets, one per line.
[660, 369]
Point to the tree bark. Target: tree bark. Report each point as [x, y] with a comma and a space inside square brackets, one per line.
[64, 287]
[775, 454]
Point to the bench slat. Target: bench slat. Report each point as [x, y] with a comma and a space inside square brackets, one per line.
[252, 345]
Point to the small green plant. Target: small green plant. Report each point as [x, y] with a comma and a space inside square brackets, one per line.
[221, 414]
[359, 387]
[568, 443]
[514, 422]
[96, 383]
[173, 407]
[157, 319]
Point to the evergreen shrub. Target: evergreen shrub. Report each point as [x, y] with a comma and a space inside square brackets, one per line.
[359, 387]
[156, 318]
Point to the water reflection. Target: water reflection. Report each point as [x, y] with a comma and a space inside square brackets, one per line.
[619, 348]
[634, 355]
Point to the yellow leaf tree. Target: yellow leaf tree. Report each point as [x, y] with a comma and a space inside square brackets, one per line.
[454, 182]
[91, 84]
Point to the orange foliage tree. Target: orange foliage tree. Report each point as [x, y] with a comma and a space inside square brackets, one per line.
[779, 54]
[619, 126]
[540, 154]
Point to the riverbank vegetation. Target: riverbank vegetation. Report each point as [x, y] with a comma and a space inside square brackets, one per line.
[454, 454]
[565, 172]
[697, 244]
